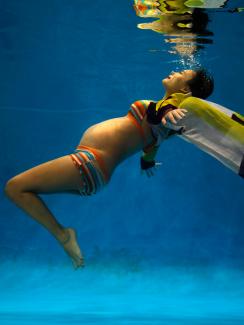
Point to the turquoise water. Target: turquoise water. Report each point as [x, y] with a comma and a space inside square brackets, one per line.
[164, 250]
[116, 294]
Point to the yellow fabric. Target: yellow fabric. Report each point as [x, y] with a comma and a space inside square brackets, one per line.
[174, 99]
[194, 3]
[241, 117]
[220, 121]
[174, 7]
[209, 126]
[181, 25]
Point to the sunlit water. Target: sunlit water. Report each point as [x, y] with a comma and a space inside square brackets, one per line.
[112, 294]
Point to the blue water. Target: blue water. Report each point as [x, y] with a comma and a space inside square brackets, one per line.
[164, 250]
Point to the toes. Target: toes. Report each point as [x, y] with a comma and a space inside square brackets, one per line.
[77, 264]
[78, 260]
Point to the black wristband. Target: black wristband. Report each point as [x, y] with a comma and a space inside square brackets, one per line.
[147, 164]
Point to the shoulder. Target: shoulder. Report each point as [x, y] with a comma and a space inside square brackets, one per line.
[197, 106]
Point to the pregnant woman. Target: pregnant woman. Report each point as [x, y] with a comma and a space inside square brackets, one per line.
[101, 149]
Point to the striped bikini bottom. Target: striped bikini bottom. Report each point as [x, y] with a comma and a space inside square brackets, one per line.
[92, 169]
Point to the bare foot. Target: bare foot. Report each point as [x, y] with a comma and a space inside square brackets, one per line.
[72, 248]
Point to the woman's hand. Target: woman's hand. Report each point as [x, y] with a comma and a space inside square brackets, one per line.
[149, 167]
[177, 113]
[150, 171]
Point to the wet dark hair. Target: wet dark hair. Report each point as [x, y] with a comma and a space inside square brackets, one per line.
[198, 20]
[202, 85]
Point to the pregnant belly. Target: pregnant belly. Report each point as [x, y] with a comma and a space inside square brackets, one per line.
[115, 139]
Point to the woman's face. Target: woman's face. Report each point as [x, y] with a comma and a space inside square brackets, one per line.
[177, 81]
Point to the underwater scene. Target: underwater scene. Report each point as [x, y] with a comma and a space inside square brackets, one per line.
[122, 135]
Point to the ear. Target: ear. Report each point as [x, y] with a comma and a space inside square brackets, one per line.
[189, 93]
[186, 90]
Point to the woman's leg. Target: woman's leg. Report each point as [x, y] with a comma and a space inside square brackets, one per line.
[58, 175]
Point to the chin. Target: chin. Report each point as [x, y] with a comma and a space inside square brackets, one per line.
[165, 82]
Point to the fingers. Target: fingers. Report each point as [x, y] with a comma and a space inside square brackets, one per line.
[182, 109]
[164, 121]
[178, 115]
[179, 112]
[170, 116]
[150, 171]
[174, 116]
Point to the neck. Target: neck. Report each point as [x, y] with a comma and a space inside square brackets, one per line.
[168, 93]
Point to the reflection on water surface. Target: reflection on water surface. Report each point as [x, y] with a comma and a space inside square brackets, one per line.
[184, 24]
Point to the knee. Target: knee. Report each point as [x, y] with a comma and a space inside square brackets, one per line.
[12, 187]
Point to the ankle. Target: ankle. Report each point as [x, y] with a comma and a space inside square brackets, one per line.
[63, 235]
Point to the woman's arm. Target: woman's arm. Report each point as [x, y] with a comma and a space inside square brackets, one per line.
[147, 160]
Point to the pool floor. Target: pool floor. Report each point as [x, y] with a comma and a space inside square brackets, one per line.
[99, 294]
